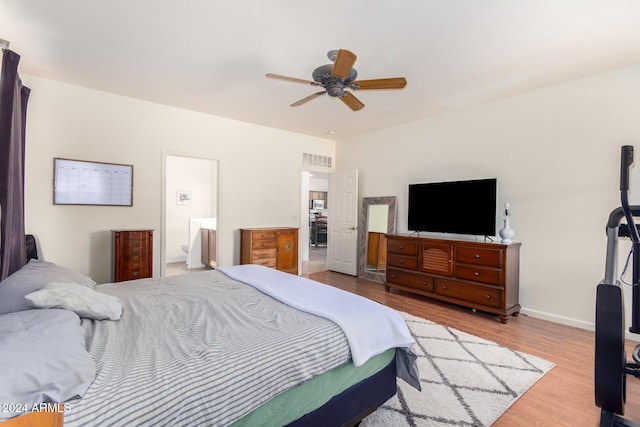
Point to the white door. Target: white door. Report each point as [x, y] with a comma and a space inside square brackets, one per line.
[342, 242]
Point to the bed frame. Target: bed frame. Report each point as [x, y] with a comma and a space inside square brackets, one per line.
[355, 403]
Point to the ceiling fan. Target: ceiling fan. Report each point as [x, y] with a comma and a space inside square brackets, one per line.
[340, 75]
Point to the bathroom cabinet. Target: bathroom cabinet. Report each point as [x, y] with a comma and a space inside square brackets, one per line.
[208, 247]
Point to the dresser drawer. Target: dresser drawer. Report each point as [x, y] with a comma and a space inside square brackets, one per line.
[480, 256]
[474, 294]
[259, 254]
[408, 262]
[128, 244]
[137, 256]
[133, 235]
[263, 244]
[477, 273]
[135, 271]
[406, 278]
[403, 247]
[263, 235]
[267, 262]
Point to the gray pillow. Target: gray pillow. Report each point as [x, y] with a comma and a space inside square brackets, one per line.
[86, 302]
[32, 277]
[42, 359]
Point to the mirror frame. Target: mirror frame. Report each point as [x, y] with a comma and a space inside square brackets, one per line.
[364, 219]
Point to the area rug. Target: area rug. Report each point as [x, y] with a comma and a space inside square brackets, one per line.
[466, 380]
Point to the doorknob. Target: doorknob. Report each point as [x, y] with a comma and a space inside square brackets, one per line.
[353, 228]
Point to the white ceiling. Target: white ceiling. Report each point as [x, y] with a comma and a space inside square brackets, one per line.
[211, 56]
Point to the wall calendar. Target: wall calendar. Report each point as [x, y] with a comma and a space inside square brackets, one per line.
[79, 182]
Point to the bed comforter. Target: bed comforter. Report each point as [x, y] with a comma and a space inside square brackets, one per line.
[199, 349]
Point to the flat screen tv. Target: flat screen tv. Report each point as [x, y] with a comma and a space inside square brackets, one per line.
[459, 207]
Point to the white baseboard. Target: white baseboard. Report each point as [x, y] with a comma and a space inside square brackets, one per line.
[569, 321]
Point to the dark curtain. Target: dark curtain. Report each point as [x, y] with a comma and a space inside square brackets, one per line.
[13, 110]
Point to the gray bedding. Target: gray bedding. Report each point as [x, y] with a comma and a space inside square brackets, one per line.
[198, 349]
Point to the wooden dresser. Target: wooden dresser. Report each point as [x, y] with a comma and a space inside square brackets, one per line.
[482, 276]
[272, 247]
[132, 254]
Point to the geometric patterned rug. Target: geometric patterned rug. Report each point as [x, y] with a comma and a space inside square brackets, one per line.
[466, 380]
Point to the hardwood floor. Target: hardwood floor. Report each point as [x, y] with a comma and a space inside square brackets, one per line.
[563, 397]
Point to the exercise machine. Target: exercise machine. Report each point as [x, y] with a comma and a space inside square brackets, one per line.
[611, 365]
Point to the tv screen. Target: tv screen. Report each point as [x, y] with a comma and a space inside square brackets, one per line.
[460, 207]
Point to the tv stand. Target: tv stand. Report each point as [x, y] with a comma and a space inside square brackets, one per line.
[478, 275]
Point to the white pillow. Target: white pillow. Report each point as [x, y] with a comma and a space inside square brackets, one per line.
[42, 359]
[79, 298]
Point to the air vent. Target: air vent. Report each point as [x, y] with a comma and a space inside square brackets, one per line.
[317, 161]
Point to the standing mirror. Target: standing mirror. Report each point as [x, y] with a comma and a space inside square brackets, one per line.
[378, 217]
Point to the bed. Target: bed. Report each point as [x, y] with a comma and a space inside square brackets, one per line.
[241, 346]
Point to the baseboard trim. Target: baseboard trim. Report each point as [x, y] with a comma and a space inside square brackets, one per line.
[568, 321]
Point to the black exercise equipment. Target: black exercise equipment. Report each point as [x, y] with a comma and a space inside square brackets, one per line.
[611, 365]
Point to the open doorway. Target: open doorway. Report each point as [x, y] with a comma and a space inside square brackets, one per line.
[315, 197]
[190, 212]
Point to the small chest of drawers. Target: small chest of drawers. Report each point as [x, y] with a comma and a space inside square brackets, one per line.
[272, 247]
[132, 254]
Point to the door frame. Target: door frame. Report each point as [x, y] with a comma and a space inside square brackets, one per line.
[163, 201]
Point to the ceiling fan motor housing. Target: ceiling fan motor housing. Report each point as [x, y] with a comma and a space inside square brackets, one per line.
[333, 84]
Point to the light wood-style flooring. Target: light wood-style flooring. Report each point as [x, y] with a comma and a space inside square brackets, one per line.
[563, 397]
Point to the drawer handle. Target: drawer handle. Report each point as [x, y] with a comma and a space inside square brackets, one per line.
[401, 246]
[393, 276]
[477, 255]
[475, 273]
[135, 258]
[134, 273]
[487, 296]
[424, 283]
[444, 287]
[135, 265]
[401, 261]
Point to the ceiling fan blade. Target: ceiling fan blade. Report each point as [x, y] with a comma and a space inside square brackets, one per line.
[391, 83]
[344, 62]
[308, 98]
[291, 79]
[351, 101]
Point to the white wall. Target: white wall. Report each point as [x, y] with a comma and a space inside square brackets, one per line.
[259, 170]
[556, 154]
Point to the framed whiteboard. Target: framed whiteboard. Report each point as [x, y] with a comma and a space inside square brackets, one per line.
[78, 182]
